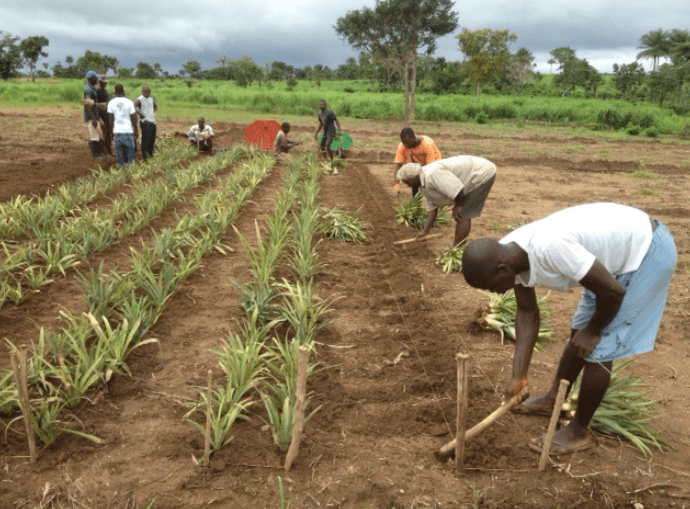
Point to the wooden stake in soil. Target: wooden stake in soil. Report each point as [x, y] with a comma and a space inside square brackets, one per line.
[19, 370]
[461, 425]
[209, 413]
[300, 395]
[447, 450]
[562, 388]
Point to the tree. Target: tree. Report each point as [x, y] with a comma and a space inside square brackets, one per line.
[679, 46]
[125, 72]
[246, 71]
[576, 72]
[191, 67]
[628, 78]
[145, 71]
[486, 52]
[94, 60]
[280, 71]
[10, 56]
[348, 70]
[551, 61]
[394, 31]
[562, 55]
[663, 81]
[654, 45]
[32, 50]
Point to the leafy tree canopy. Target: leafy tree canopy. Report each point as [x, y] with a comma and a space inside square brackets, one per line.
[32, 50]
[10, 55]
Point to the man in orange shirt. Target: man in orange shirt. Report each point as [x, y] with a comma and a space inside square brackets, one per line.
[414, 149]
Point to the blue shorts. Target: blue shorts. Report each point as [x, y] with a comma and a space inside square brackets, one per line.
[633, 330]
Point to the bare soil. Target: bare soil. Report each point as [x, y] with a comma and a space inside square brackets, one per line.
[371, 444]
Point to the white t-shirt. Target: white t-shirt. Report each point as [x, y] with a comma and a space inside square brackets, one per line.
[121, 108]
[562, 247]
[147, 111]
[443, 179]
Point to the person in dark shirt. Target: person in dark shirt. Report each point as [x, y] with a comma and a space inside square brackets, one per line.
[91, 115]
[102, 99]
[328, 121]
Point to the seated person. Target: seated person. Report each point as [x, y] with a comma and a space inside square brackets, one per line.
[283, 145]
[201, 135]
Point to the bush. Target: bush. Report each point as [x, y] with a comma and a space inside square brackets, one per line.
[651, 132]
[472, 110]
[482, 118]
[633, 130]
[612, 118]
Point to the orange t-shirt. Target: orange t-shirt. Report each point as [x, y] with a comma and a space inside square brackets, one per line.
[425, 153]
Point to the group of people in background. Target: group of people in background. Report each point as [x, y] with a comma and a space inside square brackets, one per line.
[113, 124]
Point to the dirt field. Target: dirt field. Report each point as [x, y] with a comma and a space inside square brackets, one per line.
[371, 445]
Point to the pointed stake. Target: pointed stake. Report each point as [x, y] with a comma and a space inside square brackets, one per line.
[562, 388]
[461, 425]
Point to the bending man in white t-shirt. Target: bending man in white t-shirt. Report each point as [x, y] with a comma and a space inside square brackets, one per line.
[622, 258]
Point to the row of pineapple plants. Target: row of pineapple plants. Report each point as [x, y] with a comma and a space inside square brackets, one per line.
[66, 365]
[259, 365]
[66, 240]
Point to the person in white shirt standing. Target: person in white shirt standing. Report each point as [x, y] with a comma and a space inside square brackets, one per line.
[624, 260]
[146, 107]
[123, 122]
[201, 135]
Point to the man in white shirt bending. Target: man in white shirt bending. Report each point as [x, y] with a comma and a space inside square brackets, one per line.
[123, 122]
[624, 260]
[462, 182]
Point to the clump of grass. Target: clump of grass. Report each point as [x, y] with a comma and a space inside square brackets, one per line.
[643, 174]
[645, 191]
[450, 260]
[499, 315]
[411, 212]
[339, 225]
[624, 411]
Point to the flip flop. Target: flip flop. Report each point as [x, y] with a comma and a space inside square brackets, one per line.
[522, 408]
[537, 444]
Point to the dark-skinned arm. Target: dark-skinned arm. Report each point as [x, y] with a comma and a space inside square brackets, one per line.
[428, 223]
[395, 173]
[609, 294]
[526, 332]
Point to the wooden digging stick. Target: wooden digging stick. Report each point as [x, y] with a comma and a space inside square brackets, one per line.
[461, 426]
[19, 368]
[300, 395]
[562, 389]
[444, 452]
[407, 241]
[209, 413]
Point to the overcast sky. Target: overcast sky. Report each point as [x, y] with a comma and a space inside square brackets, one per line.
[300, 32]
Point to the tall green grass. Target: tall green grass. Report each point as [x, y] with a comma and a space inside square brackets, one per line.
[360, 99]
